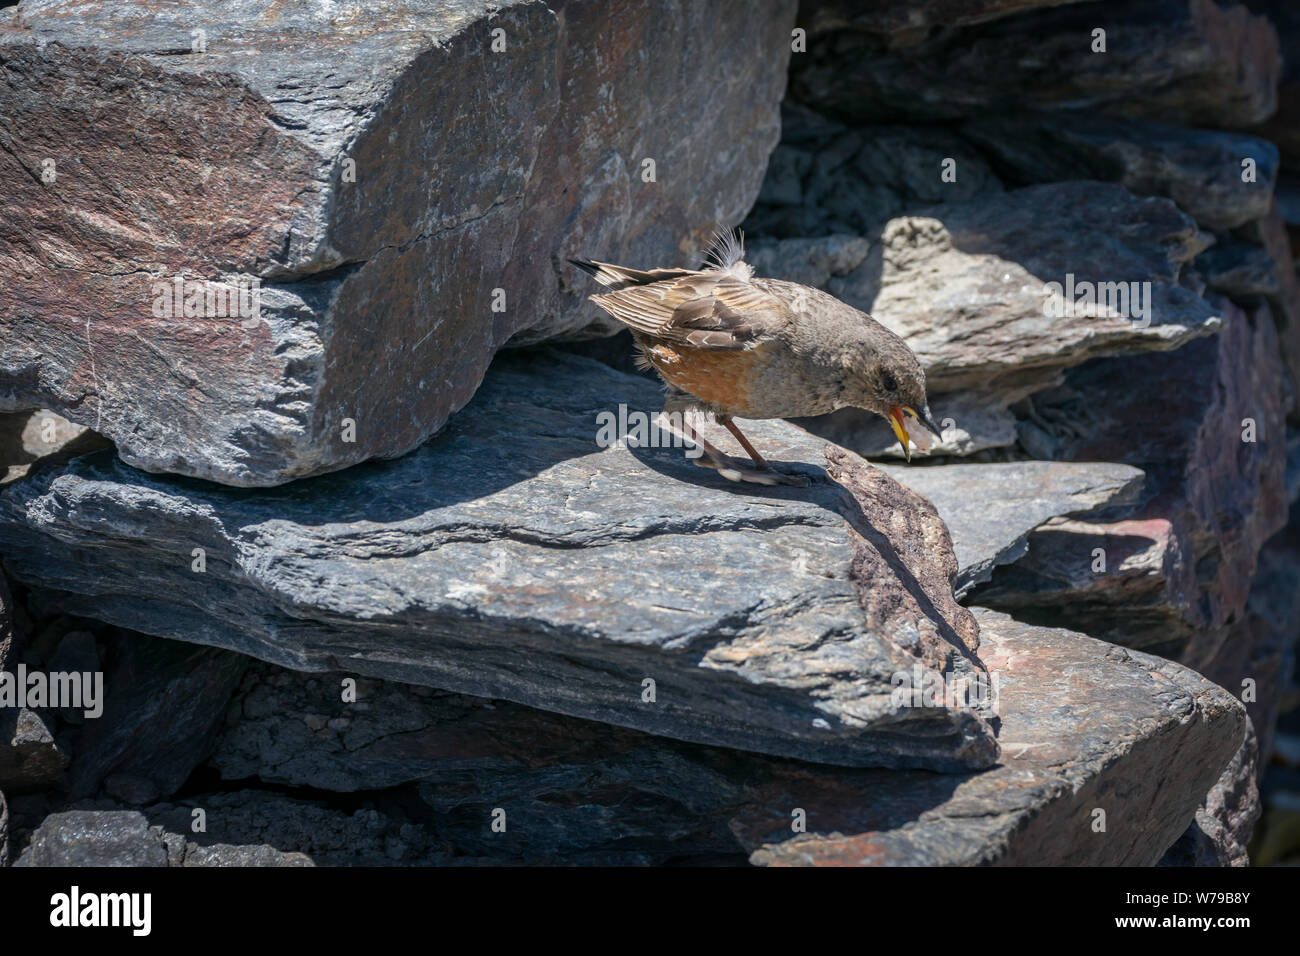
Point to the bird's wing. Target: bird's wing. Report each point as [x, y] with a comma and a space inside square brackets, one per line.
[705, 310]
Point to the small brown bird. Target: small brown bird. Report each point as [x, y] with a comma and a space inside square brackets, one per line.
[731, 344]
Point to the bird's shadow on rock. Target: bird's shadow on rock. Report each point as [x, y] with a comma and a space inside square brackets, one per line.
[831, 495]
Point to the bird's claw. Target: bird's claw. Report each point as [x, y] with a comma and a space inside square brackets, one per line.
[734, 470]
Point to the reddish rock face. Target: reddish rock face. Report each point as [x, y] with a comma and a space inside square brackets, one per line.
[1178, 568]
[404, 189]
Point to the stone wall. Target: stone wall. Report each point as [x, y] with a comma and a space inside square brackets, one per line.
[364, 583]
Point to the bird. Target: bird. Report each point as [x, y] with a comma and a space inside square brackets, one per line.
[731, 344]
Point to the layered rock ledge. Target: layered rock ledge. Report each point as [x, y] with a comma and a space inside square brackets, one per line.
[512, 557]
[1105, 754]
[402, 185]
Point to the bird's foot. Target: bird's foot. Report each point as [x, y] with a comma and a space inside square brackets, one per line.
[734, 470]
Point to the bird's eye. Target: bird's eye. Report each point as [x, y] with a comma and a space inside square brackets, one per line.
[887, 382]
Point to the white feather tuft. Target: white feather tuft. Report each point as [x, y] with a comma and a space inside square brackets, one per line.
[727, 249]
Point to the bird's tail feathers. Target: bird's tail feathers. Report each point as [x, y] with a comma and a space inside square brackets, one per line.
[620, 277]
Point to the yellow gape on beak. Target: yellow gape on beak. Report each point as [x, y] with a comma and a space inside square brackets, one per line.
[900, 430]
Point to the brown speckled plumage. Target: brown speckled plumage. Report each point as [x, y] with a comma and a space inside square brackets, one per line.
[737, 345]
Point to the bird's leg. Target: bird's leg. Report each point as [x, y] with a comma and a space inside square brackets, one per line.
[760, 473]
[732, 427]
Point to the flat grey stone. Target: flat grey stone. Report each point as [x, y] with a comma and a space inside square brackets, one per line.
[85, 838]
[1092, 736]
[966, 283]
[1086, 727]
[990, 509]
[770, 620]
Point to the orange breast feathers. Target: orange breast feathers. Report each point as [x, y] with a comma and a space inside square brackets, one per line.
[719, 377]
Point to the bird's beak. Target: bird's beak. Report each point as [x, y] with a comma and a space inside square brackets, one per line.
[926, 419]
[896, 421]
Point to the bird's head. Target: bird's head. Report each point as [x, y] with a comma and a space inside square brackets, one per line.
[883, 376]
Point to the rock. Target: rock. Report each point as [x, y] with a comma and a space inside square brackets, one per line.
[1200, 170]
[809, 261]
[30, 757]
[389, 184]
[76, 654]
[769, 620]
[163, 703]
[1270, 233]
[94, 838]
[1219, 834]
[1189, 62]
[966, 283]
[904, 20]
[252, 828]
[1175, 572]
[1087, 726]
[1259, 654]
[224, 854]
[1283, 127]
[4, 830]
[1239, 270]
[990, 509]
[1066, 755]
[243, 828]
[825, 177]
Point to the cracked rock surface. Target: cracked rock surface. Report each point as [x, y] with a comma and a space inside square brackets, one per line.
[512, 557]
[405, 193]
[1087, 727]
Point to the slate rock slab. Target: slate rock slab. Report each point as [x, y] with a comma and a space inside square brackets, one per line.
[1200, 170]
[392, 181]
[990, 509]
[1192, 62]
[1178, 568]
[513, 557]
[163, 703]
[1085, 725]
[94, 838]
[966, 284]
